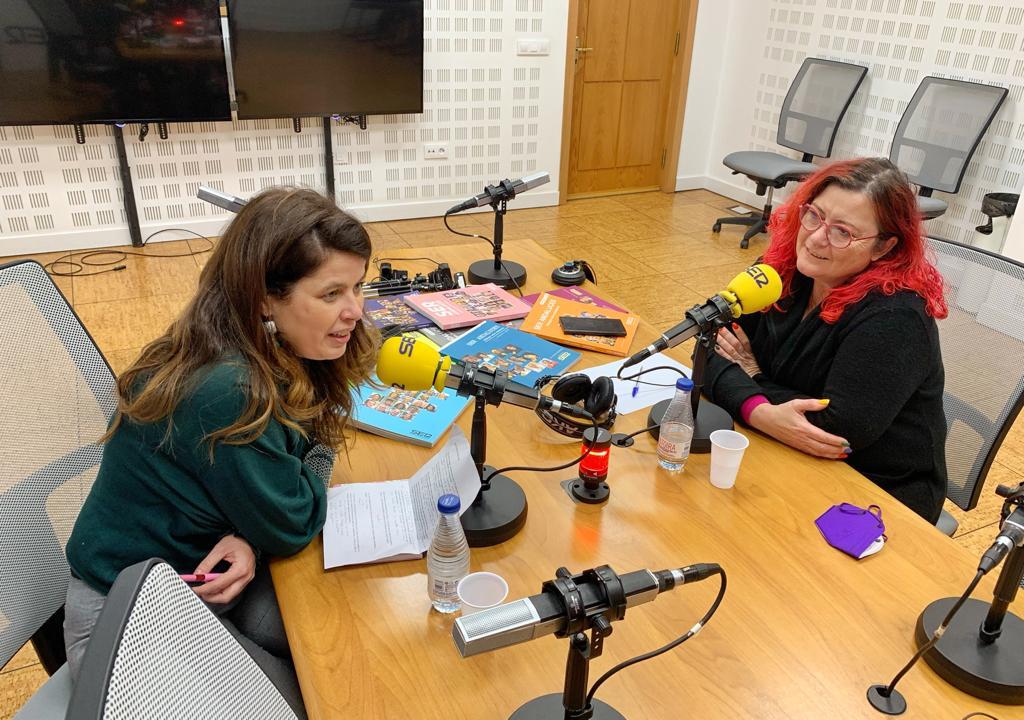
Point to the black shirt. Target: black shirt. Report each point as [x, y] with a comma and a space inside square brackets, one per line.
[880, 367]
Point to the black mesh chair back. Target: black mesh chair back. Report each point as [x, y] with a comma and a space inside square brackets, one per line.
[941, 129]
[816, 102]
[58, 395]
[982, 346]
[158, 652]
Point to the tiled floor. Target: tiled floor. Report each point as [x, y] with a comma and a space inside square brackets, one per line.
[653, 252]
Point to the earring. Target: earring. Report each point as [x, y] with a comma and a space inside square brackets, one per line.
[270, 326]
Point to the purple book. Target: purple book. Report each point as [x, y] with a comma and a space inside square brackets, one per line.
[579, 295]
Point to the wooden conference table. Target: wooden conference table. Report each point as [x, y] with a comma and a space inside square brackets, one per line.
[803, 630]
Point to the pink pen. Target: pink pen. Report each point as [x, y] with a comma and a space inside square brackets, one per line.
[201, 577]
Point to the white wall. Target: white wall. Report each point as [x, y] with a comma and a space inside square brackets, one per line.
[763, 42]
[498, 113]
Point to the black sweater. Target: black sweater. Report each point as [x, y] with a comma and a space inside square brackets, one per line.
[879, 366]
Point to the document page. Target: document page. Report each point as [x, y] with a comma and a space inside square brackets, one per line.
[368, 522]
[654, 386]
[451, 470]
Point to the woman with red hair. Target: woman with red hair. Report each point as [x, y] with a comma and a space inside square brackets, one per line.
[847, 364]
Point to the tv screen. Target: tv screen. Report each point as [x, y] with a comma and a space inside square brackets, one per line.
[320, 57]
[83, 61]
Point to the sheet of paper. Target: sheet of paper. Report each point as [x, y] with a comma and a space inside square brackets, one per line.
[451, 470]
[368, 522]
[656, 385]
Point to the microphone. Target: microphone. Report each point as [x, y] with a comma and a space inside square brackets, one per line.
[504, 190]
[409, 364]
[220, 198]
[754, 289]
[1011, 535]
[585, 596]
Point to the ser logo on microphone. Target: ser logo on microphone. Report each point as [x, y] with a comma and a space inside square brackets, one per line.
[407, 345]
[758, 275]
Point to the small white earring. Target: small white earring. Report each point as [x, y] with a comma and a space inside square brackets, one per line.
[270, 326]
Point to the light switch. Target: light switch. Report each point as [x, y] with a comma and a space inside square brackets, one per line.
[533, 46]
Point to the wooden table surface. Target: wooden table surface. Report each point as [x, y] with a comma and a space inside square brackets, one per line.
[802, 632]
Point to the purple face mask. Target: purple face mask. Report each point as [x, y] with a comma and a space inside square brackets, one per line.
[850, 528]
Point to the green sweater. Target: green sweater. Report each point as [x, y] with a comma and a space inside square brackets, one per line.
[169, 501]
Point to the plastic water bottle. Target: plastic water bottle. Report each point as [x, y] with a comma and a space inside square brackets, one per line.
[676, 431]
[448, 557]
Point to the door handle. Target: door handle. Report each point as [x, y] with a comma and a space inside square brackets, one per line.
[577, 50]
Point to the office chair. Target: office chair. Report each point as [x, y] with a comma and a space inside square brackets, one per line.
[982, 343]
[814, 106]
[58, 395]
[158, 652]
[938, 134]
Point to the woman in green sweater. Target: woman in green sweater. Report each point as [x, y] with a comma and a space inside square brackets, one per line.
[221, 447]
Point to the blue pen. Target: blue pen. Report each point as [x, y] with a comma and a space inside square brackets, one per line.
[636, 384]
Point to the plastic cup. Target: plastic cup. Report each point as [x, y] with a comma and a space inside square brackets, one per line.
[727, 447]
[481, 590]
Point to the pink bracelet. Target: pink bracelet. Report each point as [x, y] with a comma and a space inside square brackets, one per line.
[749, 404]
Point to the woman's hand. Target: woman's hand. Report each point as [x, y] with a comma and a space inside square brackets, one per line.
[239, 555]
[735, 346]
[786, 423]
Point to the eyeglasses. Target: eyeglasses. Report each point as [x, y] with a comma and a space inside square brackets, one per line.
[838, 236]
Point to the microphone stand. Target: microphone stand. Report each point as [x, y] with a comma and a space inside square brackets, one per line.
[503, 273]
[499, 510]
[572, 703]
[707, 417]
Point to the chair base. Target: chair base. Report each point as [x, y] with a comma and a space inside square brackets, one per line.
[757, 223]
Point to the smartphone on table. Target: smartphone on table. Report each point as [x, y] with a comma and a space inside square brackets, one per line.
[601, 327]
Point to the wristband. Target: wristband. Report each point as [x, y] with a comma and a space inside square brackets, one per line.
[749, 404]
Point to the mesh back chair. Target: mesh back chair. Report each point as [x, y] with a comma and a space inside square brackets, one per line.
[58, 394]
[938, 134]
[158, 652]
[982, 345]
[814, 106]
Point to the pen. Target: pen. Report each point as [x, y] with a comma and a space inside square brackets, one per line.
[636, 384]
[200, 577]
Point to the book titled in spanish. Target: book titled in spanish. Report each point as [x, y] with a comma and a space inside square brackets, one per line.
[419, 417]
[543, 321]
[393, 310]
[579, 295]
[467, 306]
[521, 356]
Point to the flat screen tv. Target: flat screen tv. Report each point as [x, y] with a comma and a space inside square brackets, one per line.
[295, 58]
[87, 61]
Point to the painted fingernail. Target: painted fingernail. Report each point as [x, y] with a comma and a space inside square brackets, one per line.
[823, 401]
[847, 450]
[735, 326]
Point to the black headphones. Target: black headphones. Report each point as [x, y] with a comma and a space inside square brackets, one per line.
[597, 396]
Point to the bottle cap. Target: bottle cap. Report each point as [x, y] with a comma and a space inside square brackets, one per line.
[684, 383]
[448, 504]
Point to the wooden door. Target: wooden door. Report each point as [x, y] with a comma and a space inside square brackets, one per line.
[621, 94]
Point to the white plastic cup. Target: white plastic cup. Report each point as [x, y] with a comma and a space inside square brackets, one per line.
[727, 447]
[481, 590]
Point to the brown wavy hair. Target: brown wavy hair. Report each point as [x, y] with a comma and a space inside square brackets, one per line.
[279, 237]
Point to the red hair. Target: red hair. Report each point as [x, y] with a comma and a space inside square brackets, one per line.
[905, 267]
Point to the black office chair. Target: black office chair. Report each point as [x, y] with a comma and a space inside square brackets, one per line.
[938, 134]
[982, 346]
[814, 106]
[58, 394]
[158, 652]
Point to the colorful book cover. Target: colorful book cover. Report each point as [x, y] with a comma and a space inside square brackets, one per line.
[420, 417]
[440, 337]
[522, 356]
[393, 310]
[543, 321]
[579, 295]
[467, 306]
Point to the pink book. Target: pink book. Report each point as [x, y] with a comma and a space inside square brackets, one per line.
[467, 306]
[576, 294]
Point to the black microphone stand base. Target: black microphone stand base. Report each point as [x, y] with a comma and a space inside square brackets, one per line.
[895, 704]
[482, 271]
[550, 707]
[709, 418]
[993, 672]
[499, 514]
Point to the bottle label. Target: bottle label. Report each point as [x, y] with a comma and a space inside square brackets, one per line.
[674, 440]
[444, 588]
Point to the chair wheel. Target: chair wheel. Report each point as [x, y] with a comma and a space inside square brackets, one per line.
[717, 227]
[744, 243]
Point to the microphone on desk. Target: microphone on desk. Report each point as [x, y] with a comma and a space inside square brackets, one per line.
[564, 598]
[410, 364]
[504, 190]
[754, 289]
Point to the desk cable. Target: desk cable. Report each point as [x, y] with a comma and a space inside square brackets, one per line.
[78, 266]
[489, 242]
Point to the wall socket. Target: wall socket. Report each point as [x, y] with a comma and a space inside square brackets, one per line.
[435, 152]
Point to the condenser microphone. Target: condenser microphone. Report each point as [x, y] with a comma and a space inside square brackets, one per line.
[410, 364]
[1011, 535]
[504, 190]
[547, 612]
[752, 290]
[220, 198]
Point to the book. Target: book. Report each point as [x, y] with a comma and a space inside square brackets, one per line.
[440, 337]
[419, 417]
[579, 295]
[393, 310]
[522, 356]
[467, 306]
[543, 321]
[395, 519]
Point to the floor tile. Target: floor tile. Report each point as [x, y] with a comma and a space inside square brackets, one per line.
[18, 686]
[22, 659]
